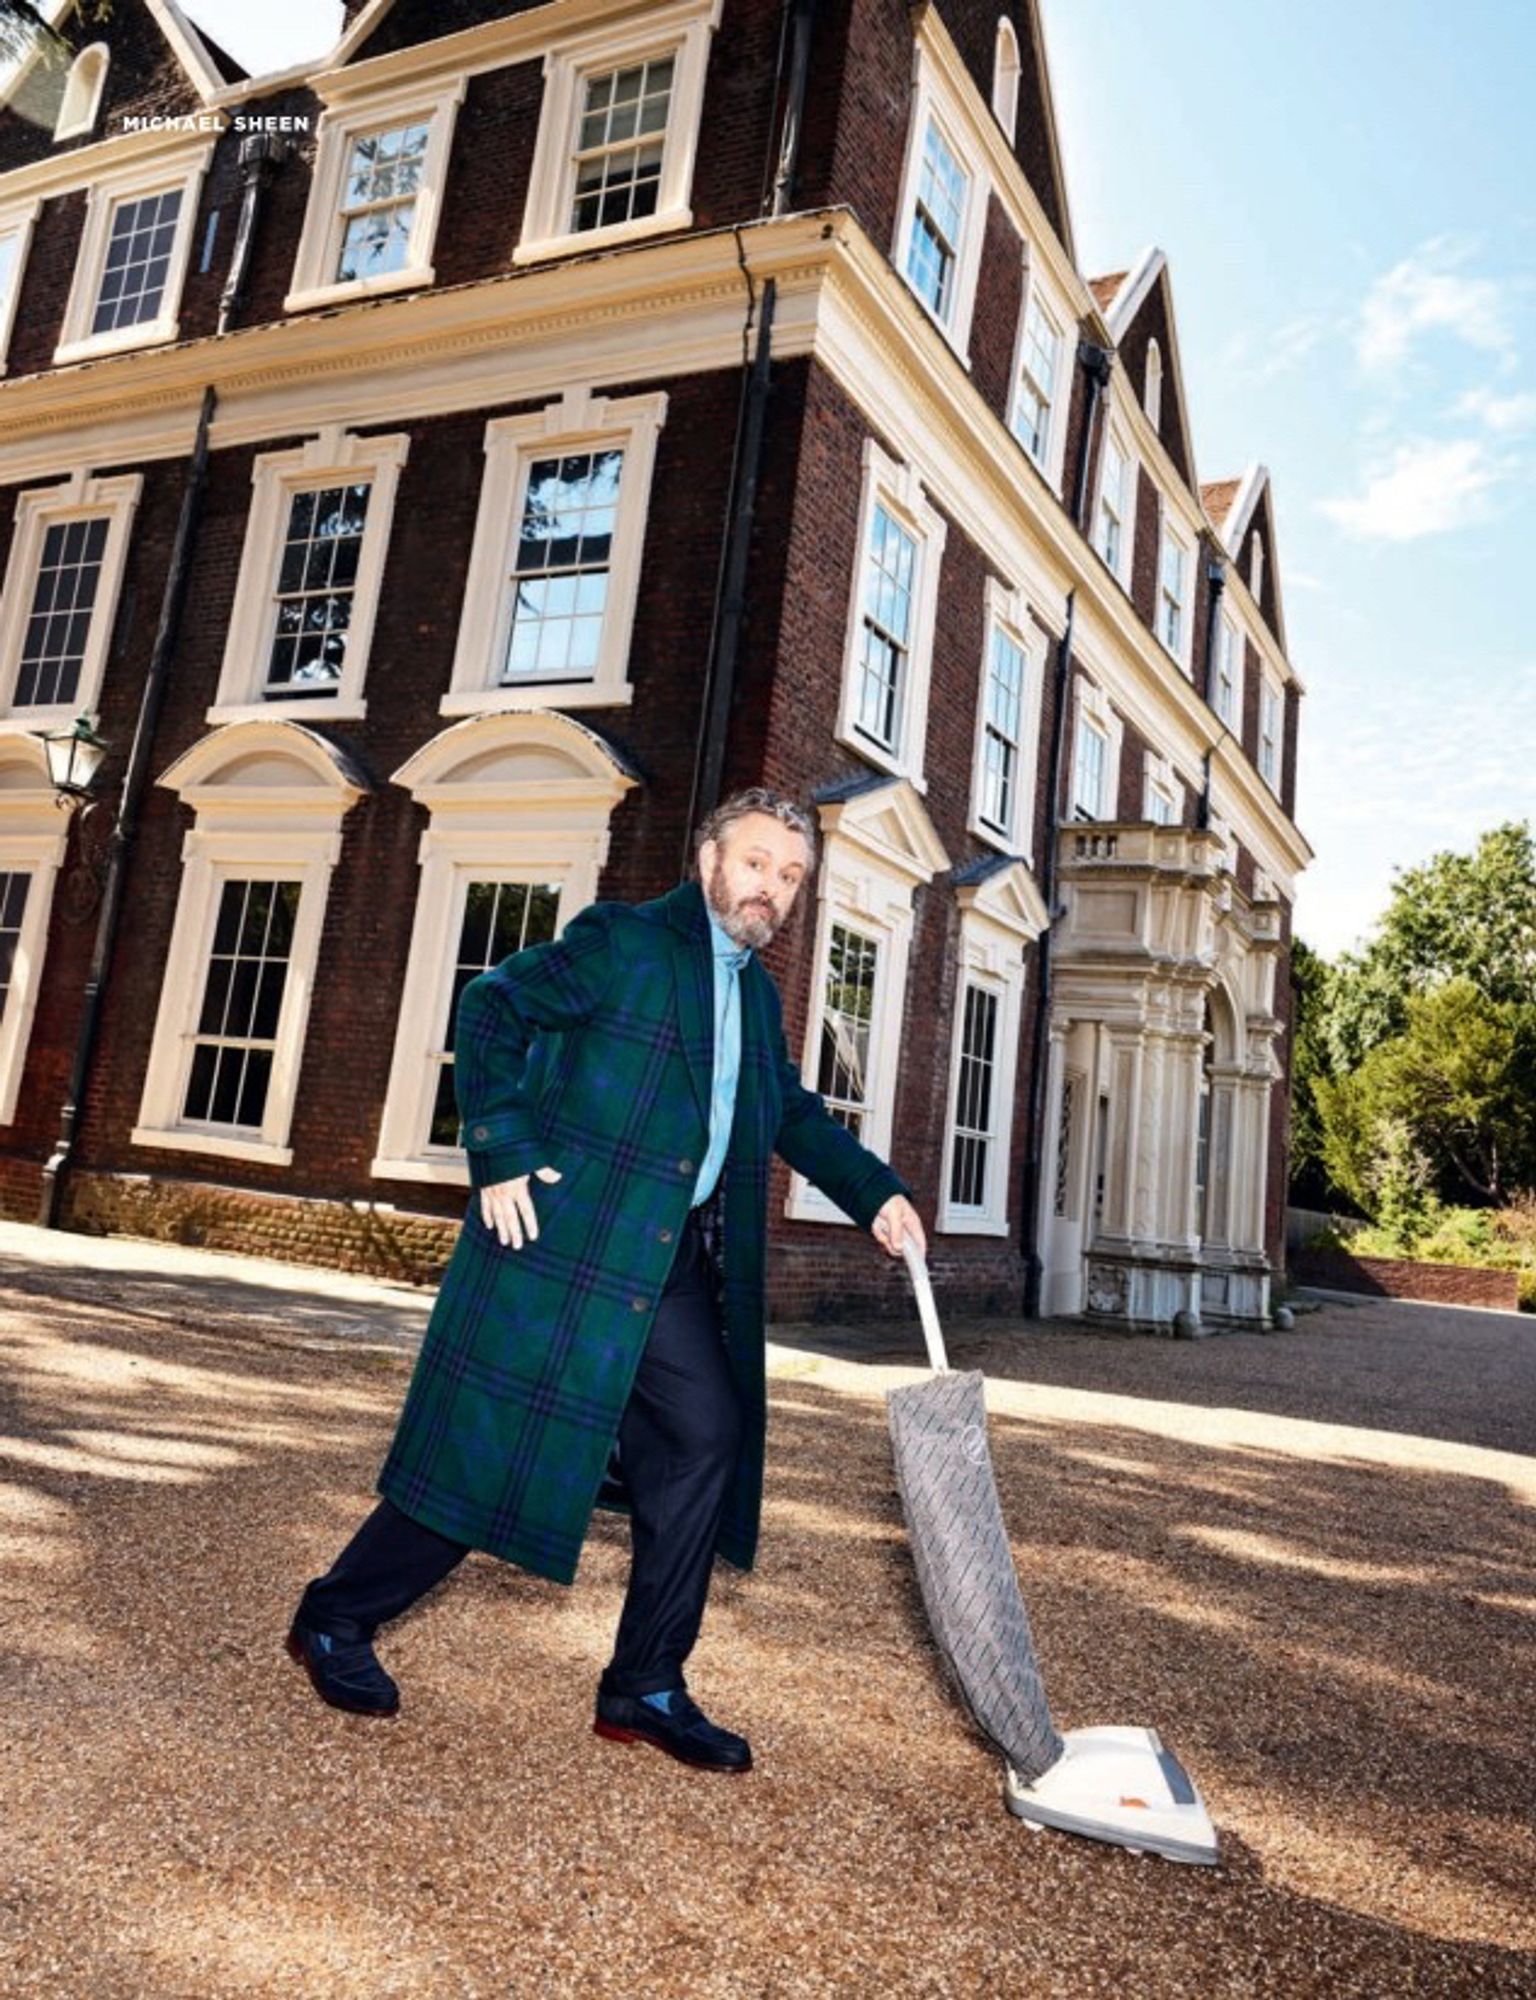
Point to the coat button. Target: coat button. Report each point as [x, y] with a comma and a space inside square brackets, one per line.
[481, 1133]
[664, 1236]
[687, 1167]
[640, 1305]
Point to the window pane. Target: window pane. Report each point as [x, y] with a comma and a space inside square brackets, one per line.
[14, 886]
[561, 566]
[974, 1098]
[620, 143]
[316, 579]
[499, 919]
[137, 261]
[242, 999]
[59, 621]
[847, 1013]
[1003, 721]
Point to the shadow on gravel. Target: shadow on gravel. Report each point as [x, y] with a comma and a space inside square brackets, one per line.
[1335, 1645]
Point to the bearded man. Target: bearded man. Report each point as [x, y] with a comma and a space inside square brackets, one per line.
[622, 1090]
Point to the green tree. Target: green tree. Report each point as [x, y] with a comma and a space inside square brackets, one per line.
[1456, 1080]
[1312, 983]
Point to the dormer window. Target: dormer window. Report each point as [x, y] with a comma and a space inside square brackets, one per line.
[1152, 395]
[1256, 568]
[1005, 78]
[82, 92]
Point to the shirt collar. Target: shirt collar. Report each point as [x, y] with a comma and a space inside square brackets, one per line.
[724, 945]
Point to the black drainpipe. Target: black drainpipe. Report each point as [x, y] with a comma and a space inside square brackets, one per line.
[747, 453]
[1097, 362]
[125, 826]
[261, 153]
[1216, 577]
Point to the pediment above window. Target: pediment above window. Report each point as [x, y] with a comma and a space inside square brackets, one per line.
[888, 820]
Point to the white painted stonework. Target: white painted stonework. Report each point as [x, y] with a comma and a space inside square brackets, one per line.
[1163, 996]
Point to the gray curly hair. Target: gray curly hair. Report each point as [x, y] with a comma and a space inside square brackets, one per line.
[757, 799]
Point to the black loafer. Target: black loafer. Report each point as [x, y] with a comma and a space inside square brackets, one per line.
[346, 1673]
[682, 1730]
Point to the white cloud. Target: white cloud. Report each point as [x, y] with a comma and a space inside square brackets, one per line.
[1506, 416]
[1427, 293]
[1425, 488]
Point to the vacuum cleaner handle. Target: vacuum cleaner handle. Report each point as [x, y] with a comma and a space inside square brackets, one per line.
[928, 1312]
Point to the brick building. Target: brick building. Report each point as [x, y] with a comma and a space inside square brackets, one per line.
[605, 406]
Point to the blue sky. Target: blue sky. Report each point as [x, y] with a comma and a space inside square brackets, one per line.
[1347, 195]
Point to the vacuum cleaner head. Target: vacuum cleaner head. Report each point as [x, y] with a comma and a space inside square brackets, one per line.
[1121, 1786]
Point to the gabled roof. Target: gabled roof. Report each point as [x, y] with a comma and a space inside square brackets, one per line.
[1149, 274]
[1253, 497]
[206, 67]
[1104, 289]
[1047, 121]
[1217, 500]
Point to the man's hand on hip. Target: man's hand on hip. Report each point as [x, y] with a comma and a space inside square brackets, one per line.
[507, 1207]
[897, 1221]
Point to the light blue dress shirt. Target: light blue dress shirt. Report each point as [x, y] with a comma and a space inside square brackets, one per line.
[730, 957]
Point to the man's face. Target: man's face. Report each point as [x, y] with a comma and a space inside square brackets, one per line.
[752, 875]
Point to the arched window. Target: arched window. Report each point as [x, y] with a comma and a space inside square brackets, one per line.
[519, 806]
[1152, 392]
[1256, 567]
[82, 91]
[1005, 77]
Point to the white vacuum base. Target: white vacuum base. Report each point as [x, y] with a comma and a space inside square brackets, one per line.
[1122, 1786]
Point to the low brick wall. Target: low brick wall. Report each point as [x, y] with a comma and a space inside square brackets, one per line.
[1399, 1278]
[381, 1242]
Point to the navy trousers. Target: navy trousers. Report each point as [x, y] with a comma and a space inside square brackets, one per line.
[678, 1440]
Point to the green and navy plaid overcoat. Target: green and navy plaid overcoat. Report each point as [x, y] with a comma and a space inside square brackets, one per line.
[594, 1054]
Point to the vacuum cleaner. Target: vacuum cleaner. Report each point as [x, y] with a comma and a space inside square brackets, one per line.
[1119, 1785]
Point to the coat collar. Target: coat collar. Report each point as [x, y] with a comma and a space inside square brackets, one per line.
[693, 969]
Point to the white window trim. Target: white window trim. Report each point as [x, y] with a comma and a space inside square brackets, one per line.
[1230, 627]
[37, 510]
[1162, 781]
[276, 827]
[135, 180]
[931, 99]
[314, 280]
[331, 457]
[1093, 709]
[85, 83]
[991, 955]
[1007, 611]
[511, 444]
[682, 29]
[485, 828]
[1121, 571]
[1007, 69]
[16, 219]
[1052, 461]
[33, 835]
[1180, 539]
[876, 849]
[1152, 385]
[1271, 691]
[902, 492]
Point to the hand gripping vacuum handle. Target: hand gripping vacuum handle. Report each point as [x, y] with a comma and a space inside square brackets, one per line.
[928, 1312]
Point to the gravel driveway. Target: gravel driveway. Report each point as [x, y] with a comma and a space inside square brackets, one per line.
[1308, 1559]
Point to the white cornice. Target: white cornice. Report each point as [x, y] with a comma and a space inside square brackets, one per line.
[61, 173]
[648, 313]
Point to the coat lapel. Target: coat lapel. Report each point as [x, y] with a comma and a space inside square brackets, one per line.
[693, 968]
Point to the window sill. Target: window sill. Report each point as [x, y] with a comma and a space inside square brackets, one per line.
[950, 337]
[966, 1225]
[37, 720]
[546, 249]
[350, 709]
[881, 759]
[260, 1151]
[123, 340]
[554, 694]
[1000, 843]
[806, 1205]
[344, 290]
[440, 1173]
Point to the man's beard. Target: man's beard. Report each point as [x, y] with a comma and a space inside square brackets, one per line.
[751, 922]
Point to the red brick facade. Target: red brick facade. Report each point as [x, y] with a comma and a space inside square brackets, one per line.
[803, 560]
